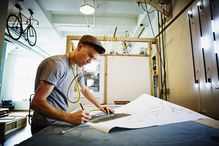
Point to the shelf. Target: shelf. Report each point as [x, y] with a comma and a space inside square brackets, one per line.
[10, 124]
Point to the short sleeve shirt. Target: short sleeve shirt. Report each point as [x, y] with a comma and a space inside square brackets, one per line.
[57, 71]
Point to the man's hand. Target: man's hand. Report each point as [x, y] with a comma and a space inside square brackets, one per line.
[105, 109]
[78, 117]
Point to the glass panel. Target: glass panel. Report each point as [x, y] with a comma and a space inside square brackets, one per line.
[92, 76]
[19, 73]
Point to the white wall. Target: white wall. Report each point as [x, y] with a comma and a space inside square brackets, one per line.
[127, 77]
[19, 74]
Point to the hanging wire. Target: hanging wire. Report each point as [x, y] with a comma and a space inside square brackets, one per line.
[94, 15]
[145, 8]
[77, 87]
[159, 51]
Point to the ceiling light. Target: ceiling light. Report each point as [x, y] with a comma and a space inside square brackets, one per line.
[87, 9]
[190, 12]
[199, 3]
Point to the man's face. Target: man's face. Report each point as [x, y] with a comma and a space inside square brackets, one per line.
[85, 54]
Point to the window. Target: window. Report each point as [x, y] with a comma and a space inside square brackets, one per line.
[19, 73]
[94, 77]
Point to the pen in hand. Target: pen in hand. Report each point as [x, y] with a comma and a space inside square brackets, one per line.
[85, 112]
[70, 129]
[81, 106]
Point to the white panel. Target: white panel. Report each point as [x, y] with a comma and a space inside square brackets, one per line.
[202, 97]
[128, 77]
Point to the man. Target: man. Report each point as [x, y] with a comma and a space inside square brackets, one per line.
[57, 72]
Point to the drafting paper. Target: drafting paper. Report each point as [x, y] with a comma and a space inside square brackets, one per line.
[146, 111]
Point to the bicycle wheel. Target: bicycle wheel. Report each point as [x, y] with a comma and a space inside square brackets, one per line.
[14, 26]
[31, 35]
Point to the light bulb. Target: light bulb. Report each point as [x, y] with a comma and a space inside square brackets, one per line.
[87, 9]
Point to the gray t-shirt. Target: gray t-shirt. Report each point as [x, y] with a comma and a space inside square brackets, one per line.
[57, 71]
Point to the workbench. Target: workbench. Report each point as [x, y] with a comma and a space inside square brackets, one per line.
[180, 134]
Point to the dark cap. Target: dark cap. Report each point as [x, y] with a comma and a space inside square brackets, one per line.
[93, 42]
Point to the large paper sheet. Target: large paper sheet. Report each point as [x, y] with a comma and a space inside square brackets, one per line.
[146, 111]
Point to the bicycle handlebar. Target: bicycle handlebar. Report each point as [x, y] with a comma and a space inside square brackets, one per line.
[31, 12]
[37, 22]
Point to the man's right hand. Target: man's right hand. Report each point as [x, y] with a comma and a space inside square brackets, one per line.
[78, 117]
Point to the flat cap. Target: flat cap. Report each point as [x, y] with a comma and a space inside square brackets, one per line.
[93, 42]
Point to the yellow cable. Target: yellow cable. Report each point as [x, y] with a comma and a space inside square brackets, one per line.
[77, 87]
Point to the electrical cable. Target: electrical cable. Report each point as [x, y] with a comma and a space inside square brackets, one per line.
[146, 10]
[152, 28]
[159, 51]
[159, 41]
[60, 92]
[77, 87]
[149, 18]
[164, 62]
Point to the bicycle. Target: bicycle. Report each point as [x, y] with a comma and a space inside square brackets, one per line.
[16, 29]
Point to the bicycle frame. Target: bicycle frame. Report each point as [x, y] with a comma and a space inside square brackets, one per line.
[28, 21]
[29, 33]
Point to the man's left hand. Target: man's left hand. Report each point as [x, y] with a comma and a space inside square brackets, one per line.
[105, 109]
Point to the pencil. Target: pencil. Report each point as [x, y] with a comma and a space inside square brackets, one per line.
[81, 106]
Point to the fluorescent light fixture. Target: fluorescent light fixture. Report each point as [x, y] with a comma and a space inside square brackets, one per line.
[87, 9]
[190, 12]
[202, 42]
[199, 3]
[212, 24]
[208, 84]
[205, 39]
[215, 47]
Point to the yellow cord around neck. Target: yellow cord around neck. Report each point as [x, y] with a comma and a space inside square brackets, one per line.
[76, 85]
